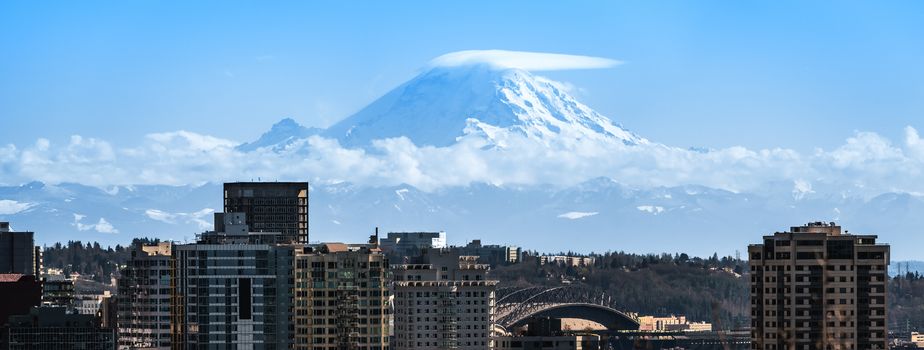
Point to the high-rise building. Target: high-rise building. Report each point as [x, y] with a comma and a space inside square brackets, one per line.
[17, 251]
[341, 297]
[399, 245]
[270, 207]
[815, 287]
[232, 289]
[51, 328]
[144, 299]
[443, 301]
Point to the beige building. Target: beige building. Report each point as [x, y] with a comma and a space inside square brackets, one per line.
[671, 323]
[815, 287]
[562, 260]
[917, 339]
[443, 302]
[340, 297]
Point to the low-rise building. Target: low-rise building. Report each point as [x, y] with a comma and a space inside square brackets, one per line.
[917, 339]
[491, 254]
[565, 260]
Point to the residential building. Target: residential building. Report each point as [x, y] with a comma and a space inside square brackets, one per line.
[17, 251]
[89, 302]
[341, 297]
[401, 245]
[18, 294]
[52, 328]
[280, 207]
[917, 339]
[565, 260]
[232, 289]
[144, 298]
[671, 323]
[815, 287]
[443, 301]
[494, 255]
[58, 290]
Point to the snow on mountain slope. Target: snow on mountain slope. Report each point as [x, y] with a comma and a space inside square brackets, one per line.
[281, 134]
[596, 215]
[443, 104]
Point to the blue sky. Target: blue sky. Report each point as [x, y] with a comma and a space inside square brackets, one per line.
[708, 73]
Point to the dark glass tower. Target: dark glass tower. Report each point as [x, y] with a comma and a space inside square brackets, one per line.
[17, 251]
[271, 207]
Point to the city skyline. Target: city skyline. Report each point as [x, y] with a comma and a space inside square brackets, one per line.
[477, 175]
[666, 119]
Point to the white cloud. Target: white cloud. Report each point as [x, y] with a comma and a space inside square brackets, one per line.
[574, 215]
[530, 61]
[101, 226]
[10, 207]
[104, 226]
[801, 188]
[653, 209]
[198, 217]
[866, 163]
[914, 143]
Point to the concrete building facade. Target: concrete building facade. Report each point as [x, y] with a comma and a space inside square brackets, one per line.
[144, 299]
[341, 297]
[815, 287]
[443, 302]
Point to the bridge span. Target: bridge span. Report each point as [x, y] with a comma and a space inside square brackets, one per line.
[515, 306]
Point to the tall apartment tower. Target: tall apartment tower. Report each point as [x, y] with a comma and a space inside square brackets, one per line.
[144, 299]
[17, 251]
[817, 288]
[443, 302]
[341, 297]
[232, 290]
[271, 207]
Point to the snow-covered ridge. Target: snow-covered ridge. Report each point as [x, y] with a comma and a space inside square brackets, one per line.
[444, 104]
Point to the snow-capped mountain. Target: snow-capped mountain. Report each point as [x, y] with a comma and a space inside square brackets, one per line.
[281, 134]
[445, 109]
[443, 104]
[596, 215]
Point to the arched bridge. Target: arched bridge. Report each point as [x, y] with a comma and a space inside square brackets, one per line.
[516, 306]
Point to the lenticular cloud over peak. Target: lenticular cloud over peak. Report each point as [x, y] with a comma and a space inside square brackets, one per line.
[529, 61]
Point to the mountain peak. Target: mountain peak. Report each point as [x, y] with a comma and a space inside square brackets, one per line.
[446, 102]
[282, 133]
